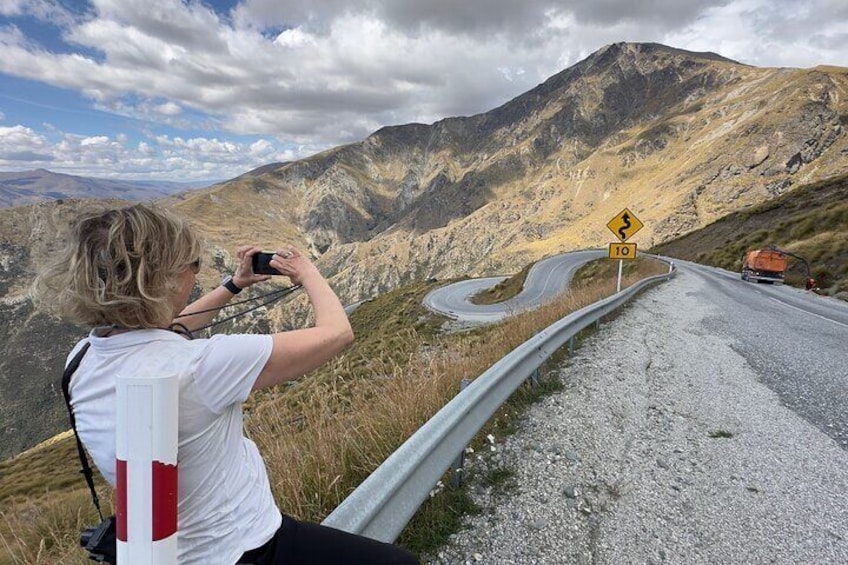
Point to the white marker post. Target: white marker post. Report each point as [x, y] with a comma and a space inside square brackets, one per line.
[622, 252]
[146, 467]
[620, 268]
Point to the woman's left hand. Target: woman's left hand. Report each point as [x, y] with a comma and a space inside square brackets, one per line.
[244, 276]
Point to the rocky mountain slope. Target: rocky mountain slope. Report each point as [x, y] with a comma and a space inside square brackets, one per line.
[32, 345]
[29, 187]
[679, 138]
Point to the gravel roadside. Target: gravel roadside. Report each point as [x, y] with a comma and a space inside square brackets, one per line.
[663, 447]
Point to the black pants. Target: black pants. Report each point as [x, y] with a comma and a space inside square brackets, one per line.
[297, 543]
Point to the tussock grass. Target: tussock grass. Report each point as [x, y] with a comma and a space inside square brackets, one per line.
[322, 436]
[504, 290]
[46, 531]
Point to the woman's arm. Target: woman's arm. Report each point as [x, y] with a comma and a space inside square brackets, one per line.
[298, 352]
[219, 297]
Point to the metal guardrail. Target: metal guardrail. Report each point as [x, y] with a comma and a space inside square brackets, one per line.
[384, 503]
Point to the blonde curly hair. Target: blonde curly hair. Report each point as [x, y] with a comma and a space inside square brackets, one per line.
[119, 267]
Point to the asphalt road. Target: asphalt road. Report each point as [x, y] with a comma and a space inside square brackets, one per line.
[546, 279]
[704, 424]
[796, 341]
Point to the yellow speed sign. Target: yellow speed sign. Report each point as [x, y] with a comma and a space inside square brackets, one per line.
[625, 224]
[622, 250]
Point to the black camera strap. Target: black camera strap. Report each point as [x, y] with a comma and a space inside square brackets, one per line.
[274, 296]
[86, 468]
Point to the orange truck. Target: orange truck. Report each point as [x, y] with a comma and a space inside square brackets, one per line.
[764, 265]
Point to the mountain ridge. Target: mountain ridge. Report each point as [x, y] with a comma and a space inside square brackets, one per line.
[679, 139]
[19, 188]
[434, 176]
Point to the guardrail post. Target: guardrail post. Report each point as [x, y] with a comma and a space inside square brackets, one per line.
[571, 346]
[534, 378]
[459, 462]
[146, 470]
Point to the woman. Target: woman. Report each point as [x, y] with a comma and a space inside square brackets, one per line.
[128, 273]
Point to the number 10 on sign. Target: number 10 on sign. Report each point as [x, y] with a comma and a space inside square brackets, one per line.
[622, 251]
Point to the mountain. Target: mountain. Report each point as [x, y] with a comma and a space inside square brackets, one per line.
[680, 138]
[29, 187]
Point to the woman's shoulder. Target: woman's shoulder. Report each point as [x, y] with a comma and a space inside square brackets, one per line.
[156, 345]
[221, 346]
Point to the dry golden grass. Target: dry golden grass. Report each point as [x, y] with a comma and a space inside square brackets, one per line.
[324, 436]
[46, 531]
[356, 423]
[504, 290]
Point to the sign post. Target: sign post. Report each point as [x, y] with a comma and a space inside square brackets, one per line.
[623, 225]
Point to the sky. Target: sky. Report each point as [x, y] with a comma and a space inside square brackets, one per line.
[206, 90]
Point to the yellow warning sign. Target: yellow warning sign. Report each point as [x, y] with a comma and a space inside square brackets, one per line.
[624, 225]
[622, 250]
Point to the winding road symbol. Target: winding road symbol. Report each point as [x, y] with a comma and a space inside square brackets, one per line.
[622, 233]
[625, 224]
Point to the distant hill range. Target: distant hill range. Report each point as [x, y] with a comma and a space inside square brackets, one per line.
[30, 187]
[680, 138]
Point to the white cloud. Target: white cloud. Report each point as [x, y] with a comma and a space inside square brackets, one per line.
[162, 158]
[772, 34]
[20, 138]
[168, 109]
[45, 10]
[100, 140]
[295, 38]
[310, 74]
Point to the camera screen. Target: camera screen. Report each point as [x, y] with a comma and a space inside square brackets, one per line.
[262, 264]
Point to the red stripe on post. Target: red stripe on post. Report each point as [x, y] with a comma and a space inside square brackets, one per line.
[121, 496]
[164, 500]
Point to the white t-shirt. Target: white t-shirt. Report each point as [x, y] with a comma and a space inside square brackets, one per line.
[225, 505]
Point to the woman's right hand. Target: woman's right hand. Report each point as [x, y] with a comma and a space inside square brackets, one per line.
[298, 352]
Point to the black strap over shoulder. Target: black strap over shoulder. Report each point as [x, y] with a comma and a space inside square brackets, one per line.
[86, 469]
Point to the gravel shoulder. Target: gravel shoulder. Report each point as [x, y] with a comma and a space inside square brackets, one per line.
[663, 447]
